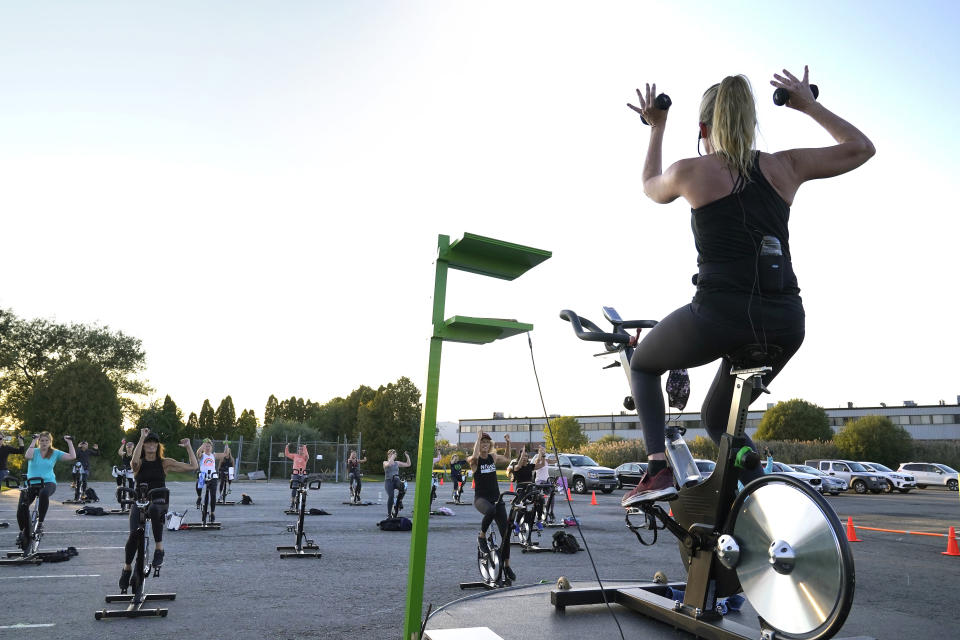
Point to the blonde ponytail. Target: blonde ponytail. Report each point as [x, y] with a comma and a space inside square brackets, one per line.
[729, 109]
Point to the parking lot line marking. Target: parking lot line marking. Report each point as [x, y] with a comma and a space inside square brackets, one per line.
[69, 575]
[92, 548]
[22, 625]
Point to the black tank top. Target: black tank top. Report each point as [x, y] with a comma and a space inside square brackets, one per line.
[486, 479]
[151, 472]
[125, 462]
[728, 232]
[523, 474]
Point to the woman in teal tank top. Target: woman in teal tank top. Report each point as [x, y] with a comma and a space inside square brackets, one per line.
[41, 458]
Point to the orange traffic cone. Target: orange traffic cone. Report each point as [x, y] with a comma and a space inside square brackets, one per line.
[569, 497]
[671, 512]
[593, 497]
[511, 486]
[473, 484]
[851, 531]
[441, 481]
[952, 549]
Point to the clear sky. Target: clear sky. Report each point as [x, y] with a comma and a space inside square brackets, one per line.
[255, 189]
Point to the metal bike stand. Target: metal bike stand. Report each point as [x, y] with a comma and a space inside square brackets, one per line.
[201, 526]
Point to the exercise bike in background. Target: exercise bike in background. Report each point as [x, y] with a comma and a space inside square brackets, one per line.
[777, 541]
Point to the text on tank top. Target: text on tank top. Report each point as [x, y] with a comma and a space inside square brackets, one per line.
[486, 478]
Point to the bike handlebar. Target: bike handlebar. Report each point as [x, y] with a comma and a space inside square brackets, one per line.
[593, 333]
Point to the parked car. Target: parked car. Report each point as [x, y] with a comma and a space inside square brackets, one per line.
[855, 474]
[629, 473]
[831, 484]
[814, 480]
[902, 482]
[582, 473]
[706, 467]
[931, 473]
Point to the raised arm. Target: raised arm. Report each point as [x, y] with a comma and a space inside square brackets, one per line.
[472, 458]
[658, 186]
[853, 148]
[28, 454]
[499, 458]
[407, 463]
[122, 451]
[169, 464]
[71, 453]
[137, 451]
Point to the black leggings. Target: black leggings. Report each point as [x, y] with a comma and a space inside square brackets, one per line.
[494, 511]
[209, 496]
[389, 485]
[26, 499]
[355, 478]
[155, 514]
[700, 333]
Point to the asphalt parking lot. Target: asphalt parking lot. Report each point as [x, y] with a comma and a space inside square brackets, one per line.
[232, 584]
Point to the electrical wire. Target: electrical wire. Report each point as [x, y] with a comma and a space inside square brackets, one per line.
[556, 453]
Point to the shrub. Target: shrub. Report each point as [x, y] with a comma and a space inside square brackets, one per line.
[875, 438]
[795, 420]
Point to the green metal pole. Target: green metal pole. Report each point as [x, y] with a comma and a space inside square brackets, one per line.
[428, 426]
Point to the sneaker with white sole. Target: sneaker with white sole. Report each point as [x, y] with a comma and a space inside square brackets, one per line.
[650, 488]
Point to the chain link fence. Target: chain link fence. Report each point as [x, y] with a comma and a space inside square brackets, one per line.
[265, 458]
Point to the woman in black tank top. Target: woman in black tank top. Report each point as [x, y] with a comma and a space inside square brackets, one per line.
[150, 467]
[486, 498]
[747, 293]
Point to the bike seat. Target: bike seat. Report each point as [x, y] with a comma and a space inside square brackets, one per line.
[752, 356]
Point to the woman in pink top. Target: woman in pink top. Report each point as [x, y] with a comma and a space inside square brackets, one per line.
[299, 469]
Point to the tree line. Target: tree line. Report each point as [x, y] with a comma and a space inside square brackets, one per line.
[87, 381]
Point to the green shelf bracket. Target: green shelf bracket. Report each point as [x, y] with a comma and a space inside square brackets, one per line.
[494, 258]
[479, 330]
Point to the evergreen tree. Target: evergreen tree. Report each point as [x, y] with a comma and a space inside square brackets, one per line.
[270, 412]
[192, 428]
[206, 421]
[225, 419]
[247, 425]
[173, 416]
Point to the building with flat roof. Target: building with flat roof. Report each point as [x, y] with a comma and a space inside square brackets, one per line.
[925, 422]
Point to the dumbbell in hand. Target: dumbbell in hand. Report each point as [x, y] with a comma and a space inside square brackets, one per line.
[662, 102]
[781, 95]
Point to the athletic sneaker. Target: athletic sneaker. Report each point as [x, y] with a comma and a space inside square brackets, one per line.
[20, 538]
[509, 574]
[658, 487]
[484, 547]
[157, 557]
[198, 503]
[125, 579]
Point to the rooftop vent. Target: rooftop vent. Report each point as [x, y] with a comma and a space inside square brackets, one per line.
[909, 403]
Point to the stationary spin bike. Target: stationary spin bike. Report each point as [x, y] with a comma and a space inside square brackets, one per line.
[29, 544]
[777, 541]
[145, 499]
[304, 548]
[490, 562]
